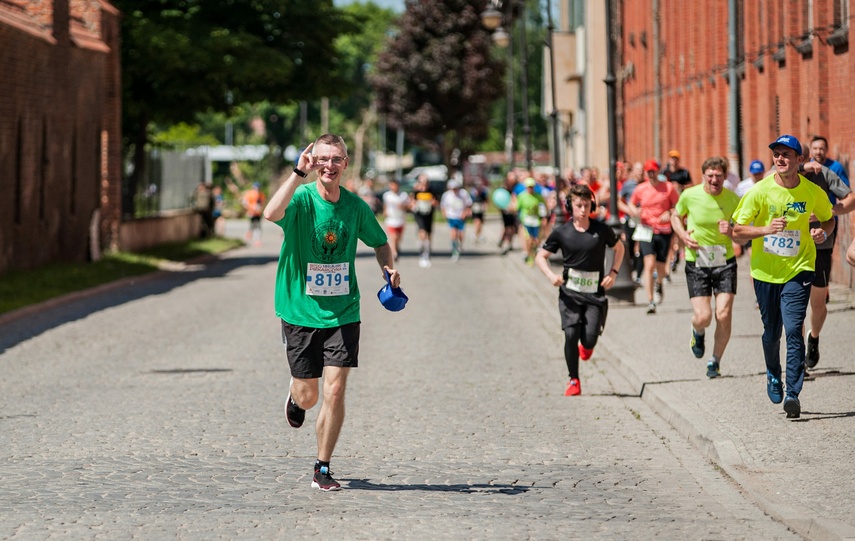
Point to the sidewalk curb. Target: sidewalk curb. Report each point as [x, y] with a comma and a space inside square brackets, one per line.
[712, 443]
[722, 451]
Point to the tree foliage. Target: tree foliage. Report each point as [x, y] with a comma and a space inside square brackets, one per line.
[182, 57]
[437, 79]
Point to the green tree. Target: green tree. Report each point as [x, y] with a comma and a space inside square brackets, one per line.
[182, 57]
[437, 79]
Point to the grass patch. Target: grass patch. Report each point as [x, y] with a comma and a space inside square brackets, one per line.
[23, 288]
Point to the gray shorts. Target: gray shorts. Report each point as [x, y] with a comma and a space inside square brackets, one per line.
[310, 350]
[704, 281]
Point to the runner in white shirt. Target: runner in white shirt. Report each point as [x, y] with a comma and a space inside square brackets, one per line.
[395, 205]
[456, 206]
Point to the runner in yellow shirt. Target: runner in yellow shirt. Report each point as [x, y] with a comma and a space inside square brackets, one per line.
[783, 250]
[701, 220]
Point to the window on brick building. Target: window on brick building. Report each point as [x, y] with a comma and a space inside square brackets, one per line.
[575, 14]
[839, 38]
[841, 13]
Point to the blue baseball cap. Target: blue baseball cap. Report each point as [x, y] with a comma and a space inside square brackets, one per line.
[392, 298]
[788, 141]
[756, 167]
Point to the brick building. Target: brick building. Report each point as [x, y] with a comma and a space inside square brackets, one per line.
[793, 69]
[60, 130]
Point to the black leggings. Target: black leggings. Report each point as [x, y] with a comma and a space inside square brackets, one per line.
[587, 331]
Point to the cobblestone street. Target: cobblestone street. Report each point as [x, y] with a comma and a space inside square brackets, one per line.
[154, 411]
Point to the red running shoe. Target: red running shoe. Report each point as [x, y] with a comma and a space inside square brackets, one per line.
[574, 388]
[585, 353]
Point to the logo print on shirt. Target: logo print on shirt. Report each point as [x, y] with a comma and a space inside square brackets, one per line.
[329, 242]
[797, 206]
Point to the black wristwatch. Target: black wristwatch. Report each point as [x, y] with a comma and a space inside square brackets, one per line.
[300, 173]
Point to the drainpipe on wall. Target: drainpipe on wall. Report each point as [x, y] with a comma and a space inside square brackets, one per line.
[734, 148]
[657, 85]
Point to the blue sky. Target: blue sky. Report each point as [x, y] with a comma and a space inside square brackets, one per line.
[397, 5]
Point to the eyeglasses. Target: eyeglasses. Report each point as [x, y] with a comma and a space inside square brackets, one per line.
[335, 160]
[714, 175]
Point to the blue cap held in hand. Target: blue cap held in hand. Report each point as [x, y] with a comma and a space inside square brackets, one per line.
[392, 298]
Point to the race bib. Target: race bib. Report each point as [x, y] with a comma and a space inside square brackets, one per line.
[582, 281]
[785, 244]
[531, 221]
[477, 208]
[424, 207]
[711, 256]
[328, 280]
[642, 233]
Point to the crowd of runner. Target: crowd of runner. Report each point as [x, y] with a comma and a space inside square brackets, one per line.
[783, 218]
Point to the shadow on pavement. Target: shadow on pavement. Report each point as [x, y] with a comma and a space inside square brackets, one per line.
[510, 490]
[819, 416]
[82, 304]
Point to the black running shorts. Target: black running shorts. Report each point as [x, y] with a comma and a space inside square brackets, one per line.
[704, 281]
[658, 247]
[822, 268]
[310, 350]
[424, 222]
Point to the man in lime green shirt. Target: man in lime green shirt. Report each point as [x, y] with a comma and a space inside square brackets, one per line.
[317, 293]
[706, 210]
[783, 250]
[531, 207]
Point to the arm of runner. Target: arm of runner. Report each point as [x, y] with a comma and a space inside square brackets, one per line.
[275, 209]
[609, 278]
[633, 211]
[744, 233]
[844, 205]
[541, 260]
[680, 230]
[385, 259]
[812, 167]
[725, 228]
[850, 254]
[819, 234]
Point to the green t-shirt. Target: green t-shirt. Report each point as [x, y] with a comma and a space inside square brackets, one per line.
[704, 212]
[528, 207]
[778, 258]
[316, 280]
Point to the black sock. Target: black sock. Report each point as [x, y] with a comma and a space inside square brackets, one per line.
[319, 464]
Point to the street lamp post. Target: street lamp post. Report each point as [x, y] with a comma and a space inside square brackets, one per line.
[509, 121]
[624, 287]
[529, 162]
[556, 141]
[497, 13]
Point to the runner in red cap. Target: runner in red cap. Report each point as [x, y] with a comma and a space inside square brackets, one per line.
[651, 204]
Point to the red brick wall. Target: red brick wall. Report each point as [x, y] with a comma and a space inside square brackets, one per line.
[60, 94]
[803, 95]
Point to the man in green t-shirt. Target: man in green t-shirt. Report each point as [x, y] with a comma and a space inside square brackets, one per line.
[701, 221]
[531, 207]
[783, 251]
[317, 294]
